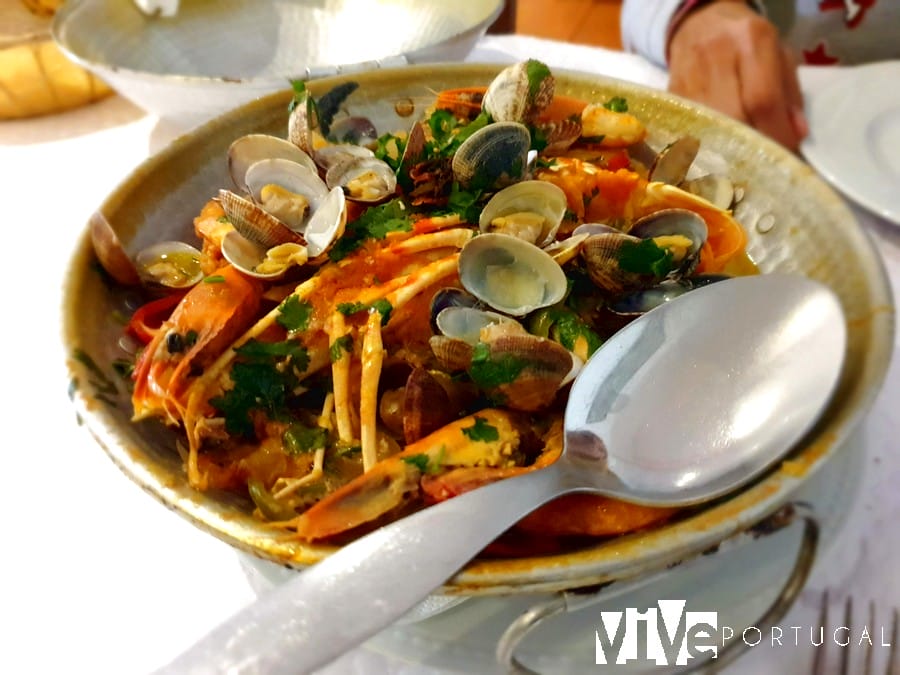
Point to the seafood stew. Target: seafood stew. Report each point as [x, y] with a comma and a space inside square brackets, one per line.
[148, 449]
[376, 321]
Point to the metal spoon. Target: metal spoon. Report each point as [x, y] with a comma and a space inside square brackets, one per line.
[684, 404]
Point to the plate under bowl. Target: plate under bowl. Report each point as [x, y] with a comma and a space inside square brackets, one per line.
[214, 55]
[795, 224]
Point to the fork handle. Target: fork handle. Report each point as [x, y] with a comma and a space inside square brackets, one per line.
[365, 586]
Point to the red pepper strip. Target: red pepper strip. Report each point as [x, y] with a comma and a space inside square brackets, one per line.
[148, 318]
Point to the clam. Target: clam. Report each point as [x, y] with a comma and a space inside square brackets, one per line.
[110, 252]
[673, 162]
[519, 93]
[249, 149]
[329, 155]
[493, 156]
[327, 223]
[616, 263]
[426, 406]
[679, 231]
[717, 189]
[453, 355]
[466, 323]
[510, 275]
[257, 261]
[359, 131]
[256, 224]
[449, 297]
[303, 122]
[522, 370]
[363, 179]
[531, 210]
[172, 264]
[289, 191]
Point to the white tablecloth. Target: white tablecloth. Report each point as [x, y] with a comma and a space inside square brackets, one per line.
[98, 577]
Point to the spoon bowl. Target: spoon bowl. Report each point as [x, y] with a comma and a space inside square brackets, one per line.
[685, 404]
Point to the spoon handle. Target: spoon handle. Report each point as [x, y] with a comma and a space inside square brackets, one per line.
[365, 586]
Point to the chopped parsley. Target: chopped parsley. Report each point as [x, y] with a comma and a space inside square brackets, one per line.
[423, 462]
[375, 223]
[447, 133]
[645, 257]
[489, 372]
[566, 327]
[481, 431]
[383, 306]
[617, 104]
[465, 203]
[419, 461]
[300, 95]
[265, 378]
[222, 219]
[214, 279]
[389, 148]
[294, 314]
[299, 439]
[537, 72]
[339, 346]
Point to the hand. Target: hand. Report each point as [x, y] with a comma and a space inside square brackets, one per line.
[727, 56]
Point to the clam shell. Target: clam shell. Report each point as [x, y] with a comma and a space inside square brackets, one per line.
[537, 197]
[601, 253]
[326, 224]
[453, 354]
[363, 179]
[426, 406]
[510, 275]
[546, 366]
[717, 189]
[466, 323]
[111, 253]
[330, 155]
[247, 150]
[254, 223]
[511, 98]
[289, 175]
[674, 161]
[494, 155]
[675, 221]
[173, 264]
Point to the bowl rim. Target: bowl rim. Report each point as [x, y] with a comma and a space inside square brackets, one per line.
[621, 557]
[65, 16]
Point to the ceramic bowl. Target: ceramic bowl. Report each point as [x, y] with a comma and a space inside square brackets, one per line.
[213, 55]
[794, 221]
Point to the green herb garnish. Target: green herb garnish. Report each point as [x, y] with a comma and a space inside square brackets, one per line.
[214, 279]
[419, 461]
[299, 439]
[294, 314]
[375, 223]
[465, 203]
[537, 72]
[616, 104]
[489, 372]
[645, 257]
[339, 346]
[481, 431]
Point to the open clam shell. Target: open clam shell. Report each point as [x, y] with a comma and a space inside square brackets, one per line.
[295, 178]
[531, 210]
[172, 264]
[363, 179]
[326, 224]
[466, 323]
[255, 260]
[256, 224]
[510, 275]
[674, 161]
[249, 149]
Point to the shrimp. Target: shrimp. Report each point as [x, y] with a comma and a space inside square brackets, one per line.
[206, 321]
[612, 129]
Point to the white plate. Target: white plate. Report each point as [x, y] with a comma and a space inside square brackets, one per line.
[854, 139]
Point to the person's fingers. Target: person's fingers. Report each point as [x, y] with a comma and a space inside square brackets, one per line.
[765, 93]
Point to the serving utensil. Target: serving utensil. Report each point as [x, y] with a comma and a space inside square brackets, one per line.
[685, 404]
